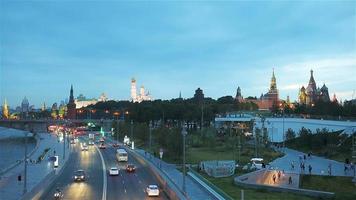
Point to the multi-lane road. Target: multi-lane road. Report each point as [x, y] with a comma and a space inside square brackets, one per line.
[99, 185]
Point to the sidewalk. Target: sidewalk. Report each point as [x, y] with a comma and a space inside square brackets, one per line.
[319, 165]
[11, 188]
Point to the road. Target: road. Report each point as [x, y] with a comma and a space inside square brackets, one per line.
[125, 186]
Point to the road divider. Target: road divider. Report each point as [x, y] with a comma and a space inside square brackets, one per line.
[105, 183]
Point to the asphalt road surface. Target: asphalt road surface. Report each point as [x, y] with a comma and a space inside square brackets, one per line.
[126, 185]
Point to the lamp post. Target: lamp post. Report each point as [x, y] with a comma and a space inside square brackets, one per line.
[64, 145]
[25, 171]
[282, 109]
[131, 130]
[150, 142]
[184, 133]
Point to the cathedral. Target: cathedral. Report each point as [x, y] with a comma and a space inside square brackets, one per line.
[311, 94]
[142, 96]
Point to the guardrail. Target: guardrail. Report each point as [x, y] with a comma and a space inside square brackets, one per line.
[169, 186]
[207, 185]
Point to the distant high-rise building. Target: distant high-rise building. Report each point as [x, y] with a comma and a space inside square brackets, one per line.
[25, 107]
[312, 94]
[199, 95]
[143, 96]
[43, 108]
[71, 110]
[5, 111]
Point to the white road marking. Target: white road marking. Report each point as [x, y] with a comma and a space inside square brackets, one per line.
[105, 184]
[125, 191]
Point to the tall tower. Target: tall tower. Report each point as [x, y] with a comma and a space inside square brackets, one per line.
[72, 112]
[273, 85]
[133, 90]
[5, 110]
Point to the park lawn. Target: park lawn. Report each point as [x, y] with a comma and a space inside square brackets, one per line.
[342, 186]
[195, 155]
[228, 186]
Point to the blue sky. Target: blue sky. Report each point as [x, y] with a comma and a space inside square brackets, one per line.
[98, 46]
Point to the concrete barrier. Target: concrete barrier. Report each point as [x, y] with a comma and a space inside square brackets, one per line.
[169, 187]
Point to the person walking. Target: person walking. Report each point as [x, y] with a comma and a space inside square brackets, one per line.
[292, 165]
[329, 169]
[274, 178]
[310, 169]
[290, 180]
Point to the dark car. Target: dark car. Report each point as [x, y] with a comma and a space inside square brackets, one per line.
[79, 175]
[130, 168]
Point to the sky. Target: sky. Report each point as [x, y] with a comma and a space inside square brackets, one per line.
[173, 46]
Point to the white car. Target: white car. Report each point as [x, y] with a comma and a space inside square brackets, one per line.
[85, 147]
[91, 142]
[256, 163]
[114, 171]
[152, 190]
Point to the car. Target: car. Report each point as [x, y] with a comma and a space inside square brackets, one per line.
[102, 140]
[91, 142]
[152, 190]
[85, 147]
[102, 146]
[115, 145]
[114, 171]
[72, 141]
[130, 168]
[79, 175]
[257, 163]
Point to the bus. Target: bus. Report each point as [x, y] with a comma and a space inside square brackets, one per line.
[121, 155]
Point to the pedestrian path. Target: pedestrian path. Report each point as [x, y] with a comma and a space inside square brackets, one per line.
[319, 165]
[11, 188]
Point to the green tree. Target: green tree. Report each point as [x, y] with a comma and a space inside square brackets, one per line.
[290, 134]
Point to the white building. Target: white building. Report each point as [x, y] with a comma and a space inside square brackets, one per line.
[81, 101]
[142, 96]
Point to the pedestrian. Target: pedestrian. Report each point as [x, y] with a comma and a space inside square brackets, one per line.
[345, 168]
[329, 169]
[292, 165]
[305, 157]
[310, 169]
[274, 178]
[54, 152]
[19, 178]
[309, 155]
[279, 175]
[290, 180]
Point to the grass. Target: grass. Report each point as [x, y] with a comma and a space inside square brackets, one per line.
[342, 186]
[228, 186]
[195, 155]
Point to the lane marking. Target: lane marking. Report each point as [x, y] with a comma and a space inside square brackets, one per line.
[105, 184]
[125, 191]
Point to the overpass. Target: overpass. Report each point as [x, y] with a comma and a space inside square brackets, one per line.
[40, 125]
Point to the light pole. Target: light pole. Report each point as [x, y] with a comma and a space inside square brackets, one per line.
[25, 172]
[150, 142]
[282, 109]
[184, 133]
[131, 130]
[64, 145]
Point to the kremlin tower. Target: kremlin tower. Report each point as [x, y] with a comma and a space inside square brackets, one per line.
[71, 112]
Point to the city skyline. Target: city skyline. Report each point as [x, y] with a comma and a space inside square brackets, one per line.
[173, 47]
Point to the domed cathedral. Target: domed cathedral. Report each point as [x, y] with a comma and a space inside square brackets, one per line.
[312, 94]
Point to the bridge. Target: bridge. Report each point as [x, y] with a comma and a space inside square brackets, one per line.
[41, 125]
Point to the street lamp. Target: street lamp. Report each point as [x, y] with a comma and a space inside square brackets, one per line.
[131, 130]
[150, 142]
[282, 109]
[25, 173]
[184, 133]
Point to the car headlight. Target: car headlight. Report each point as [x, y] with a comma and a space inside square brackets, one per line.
[75, 177]
[82, 177]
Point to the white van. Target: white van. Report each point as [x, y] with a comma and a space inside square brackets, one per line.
[121, 155]
[256, 163]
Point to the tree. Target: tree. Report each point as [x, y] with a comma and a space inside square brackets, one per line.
[290, 134]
